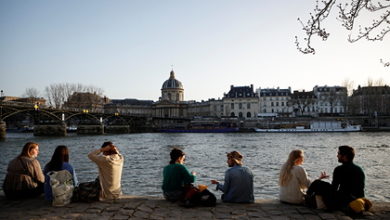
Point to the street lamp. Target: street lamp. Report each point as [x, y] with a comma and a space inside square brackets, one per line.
[116, 113]
[85, 111]
[36, 107]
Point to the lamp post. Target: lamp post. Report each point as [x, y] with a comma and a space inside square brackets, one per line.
[36, 119]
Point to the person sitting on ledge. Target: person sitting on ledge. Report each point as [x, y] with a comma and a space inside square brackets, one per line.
[176, 177]
[110, 164]
[59, 161]
[24, 177]
[293, 179]
[347, 183]
[238, 185]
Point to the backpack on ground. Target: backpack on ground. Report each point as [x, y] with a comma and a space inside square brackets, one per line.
[62, 187]
[87, 191]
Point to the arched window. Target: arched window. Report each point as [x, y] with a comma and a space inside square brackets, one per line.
[232, 114]
[177, 97]
[248, 115]
[169, 96]
[240, 114]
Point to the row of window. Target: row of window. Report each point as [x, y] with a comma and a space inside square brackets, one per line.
[276, 104]
[240, 115]
[240, 105]
[308, 109]
[275, 98]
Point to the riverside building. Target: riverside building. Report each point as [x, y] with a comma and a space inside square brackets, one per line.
[304, 103]
[273, 100]
[241, 102]
[171, 103]
[331, 100]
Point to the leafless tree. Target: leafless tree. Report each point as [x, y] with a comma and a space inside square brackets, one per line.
[347, 83]
[378, 82]
[31, 93]
[58, 93]
[349, 13]
[302, 102]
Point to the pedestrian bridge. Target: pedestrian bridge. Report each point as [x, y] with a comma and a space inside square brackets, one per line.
[50, 121]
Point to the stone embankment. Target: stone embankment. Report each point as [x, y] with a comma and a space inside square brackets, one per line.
[134, 207]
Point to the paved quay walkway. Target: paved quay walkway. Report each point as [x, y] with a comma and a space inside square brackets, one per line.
[135, 207]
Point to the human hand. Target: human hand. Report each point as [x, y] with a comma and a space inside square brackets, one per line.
[214, 182]
[109, 149]
[323, 175]
[193, 173]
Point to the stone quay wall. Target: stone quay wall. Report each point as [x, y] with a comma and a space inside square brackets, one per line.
[138, 207]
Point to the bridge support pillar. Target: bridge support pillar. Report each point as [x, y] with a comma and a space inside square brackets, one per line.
[3, 130]
[90, 129]
[50, 130]
[117, 129]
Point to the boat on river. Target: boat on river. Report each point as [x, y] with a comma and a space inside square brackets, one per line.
[315, 126]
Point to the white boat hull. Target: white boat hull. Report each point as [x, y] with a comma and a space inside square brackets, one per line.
[351, 128]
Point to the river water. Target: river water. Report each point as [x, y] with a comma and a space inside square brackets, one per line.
[146, 154]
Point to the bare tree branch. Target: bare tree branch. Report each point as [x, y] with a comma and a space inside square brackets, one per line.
[349, 12]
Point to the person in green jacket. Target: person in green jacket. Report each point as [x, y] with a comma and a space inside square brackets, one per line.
[176, 177]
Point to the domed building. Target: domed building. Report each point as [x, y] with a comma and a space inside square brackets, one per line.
[171, 103]
[172, 89]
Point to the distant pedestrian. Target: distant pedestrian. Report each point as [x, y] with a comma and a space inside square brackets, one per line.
[59, 161]
[24, 177]
[110, 164]
[238, 184]
[347, 183]
[293, 179]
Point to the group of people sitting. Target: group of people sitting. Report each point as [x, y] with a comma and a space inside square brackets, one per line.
[25, 178]
[345, 192]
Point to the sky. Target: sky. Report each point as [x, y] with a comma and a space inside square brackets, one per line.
[128, 47]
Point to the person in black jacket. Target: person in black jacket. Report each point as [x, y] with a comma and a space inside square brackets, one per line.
[347, 183]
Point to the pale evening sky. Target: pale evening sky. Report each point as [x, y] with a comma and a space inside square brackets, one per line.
[127, 47]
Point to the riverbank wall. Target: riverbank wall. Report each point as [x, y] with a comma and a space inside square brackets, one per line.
[142, 207]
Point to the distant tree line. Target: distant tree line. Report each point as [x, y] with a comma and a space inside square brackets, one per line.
[57, 94]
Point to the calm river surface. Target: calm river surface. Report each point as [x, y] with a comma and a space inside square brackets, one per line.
[146, 154]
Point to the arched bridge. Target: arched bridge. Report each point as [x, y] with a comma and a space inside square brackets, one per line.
[49, 121]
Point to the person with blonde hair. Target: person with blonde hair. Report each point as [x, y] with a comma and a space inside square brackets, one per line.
[238, 185]
[293, 179]
[24, 177]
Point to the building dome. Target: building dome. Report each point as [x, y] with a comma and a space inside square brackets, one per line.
[172, 83]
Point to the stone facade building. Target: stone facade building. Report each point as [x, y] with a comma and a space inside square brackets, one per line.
[331, 100]
[275, 101]
[172, 90]
[304, 103]
[132, 107]
[241, 102]
[210, 108]
[171, 103]
[370, 100]
[80, 101]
